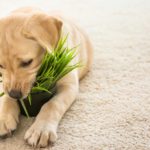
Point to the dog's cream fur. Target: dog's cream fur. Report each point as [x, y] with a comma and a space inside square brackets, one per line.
[24, 35]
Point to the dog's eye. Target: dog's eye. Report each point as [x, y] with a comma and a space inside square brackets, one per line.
[26, 63]
[1, 66]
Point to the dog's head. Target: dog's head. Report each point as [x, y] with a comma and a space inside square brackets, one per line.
[23, 42]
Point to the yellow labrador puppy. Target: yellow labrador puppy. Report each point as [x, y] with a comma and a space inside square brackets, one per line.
[24, 36]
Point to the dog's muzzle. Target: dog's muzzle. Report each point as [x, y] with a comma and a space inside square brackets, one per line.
[15, 94]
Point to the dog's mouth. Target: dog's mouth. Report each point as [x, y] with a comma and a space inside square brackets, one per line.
[27, 94]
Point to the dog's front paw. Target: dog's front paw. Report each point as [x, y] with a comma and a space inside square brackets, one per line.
[8, 123]
[40, 134]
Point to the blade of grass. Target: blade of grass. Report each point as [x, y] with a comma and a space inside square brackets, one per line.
[1, 94]
[30, 99]
[24, 107]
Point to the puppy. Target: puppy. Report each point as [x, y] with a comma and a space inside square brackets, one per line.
[25, 35]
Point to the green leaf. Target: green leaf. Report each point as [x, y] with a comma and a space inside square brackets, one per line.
[24, 107]
[1, 94]
[39, 89]
[30, 99]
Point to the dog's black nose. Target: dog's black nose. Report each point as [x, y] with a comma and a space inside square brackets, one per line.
[15, 94]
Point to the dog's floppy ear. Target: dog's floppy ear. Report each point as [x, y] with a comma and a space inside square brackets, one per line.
[44, 29]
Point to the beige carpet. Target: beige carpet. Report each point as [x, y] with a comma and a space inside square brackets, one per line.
[112, 111]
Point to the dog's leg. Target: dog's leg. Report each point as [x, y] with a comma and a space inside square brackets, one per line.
[9, 115]
[44, 128]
